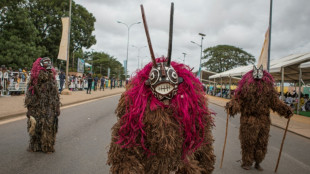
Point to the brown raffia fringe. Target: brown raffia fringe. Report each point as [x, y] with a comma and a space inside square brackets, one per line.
[164, 138]
[43, 106]
[254, 104]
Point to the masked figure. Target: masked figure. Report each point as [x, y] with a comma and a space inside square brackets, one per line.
[254, 97]
[42, 102]
[163, 124]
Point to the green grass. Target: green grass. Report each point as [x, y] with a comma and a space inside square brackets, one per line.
[303, 113]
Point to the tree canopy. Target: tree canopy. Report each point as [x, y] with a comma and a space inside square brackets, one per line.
[101, 61]
[225, 57]
[32, 28]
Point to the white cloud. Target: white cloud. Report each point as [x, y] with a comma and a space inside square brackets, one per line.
[240, 23]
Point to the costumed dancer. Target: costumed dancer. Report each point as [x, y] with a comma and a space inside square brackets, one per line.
[163, 124]
[42, 102]
[253, 98]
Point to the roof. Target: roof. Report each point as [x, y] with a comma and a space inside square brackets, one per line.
[291, 68]
[286, 63]
[239, 71]
[290, 64]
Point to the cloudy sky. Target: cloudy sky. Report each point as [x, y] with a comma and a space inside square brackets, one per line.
[240, 23]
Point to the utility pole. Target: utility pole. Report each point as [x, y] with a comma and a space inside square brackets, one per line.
[202, 35]
[128, 28]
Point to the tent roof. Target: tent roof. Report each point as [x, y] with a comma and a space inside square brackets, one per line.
[290, 64]
[239, 71]
[291, 68]
[283, 63]
[305, 65]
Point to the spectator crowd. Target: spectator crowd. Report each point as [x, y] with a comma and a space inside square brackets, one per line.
[14, 81]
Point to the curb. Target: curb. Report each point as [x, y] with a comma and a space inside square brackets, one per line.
[62, 105]
[271, 124]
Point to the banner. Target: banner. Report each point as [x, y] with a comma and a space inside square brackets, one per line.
[63, 48]
[125, 66]
[198, 73]
[80, 65]
[88, 67]
[109, 72]
[263, 58]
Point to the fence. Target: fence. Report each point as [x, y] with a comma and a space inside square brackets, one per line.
[13, 82]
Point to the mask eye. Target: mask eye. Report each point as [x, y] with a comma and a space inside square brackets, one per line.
[172, 75]
[255, 74]
[154, 76]
[260, 74]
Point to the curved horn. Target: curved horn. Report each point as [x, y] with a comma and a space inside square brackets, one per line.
[170, 34]
[148, 36]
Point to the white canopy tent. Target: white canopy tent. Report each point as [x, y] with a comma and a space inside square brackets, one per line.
[275, 67]
[286, 69]
[304, 75]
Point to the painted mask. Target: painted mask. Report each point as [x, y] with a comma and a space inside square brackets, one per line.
[46, 63]
[163, 79]
[258, 73]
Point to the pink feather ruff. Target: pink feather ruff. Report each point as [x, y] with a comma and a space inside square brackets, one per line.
[189, 104]
[248, 80]
[35, 71]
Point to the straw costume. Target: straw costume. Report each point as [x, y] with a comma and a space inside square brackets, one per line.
[254, 97]
[42, 102]
[163, 124]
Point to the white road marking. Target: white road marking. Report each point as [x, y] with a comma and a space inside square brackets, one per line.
[13, 119]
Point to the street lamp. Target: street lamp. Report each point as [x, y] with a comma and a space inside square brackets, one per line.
[184, 57]
[128, 27]
[139, 48]
[202, 35]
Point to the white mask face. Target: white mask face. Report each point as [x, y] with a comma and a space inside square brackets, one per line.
[258, 73]
[163, 81]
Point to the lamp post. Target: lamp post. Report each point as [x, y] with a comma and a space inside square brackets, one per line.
[202, 35]
[184, 57]
[139, 48]
[128, 28]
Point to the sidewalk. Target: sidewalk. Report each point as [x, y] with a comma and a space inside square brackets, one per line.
[14, 105]
[299, 124]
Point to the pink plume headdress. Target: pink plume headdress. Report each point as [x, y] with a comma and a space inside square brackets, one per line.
[189, 103]
[35, 71]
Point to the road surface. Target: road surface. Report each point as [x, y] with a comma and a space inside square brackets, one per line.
[84, 135]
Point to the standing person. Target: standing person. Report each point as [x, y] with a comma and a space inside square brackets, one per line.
[111, 83]
[42, 102]
[1, 76]
[253, 98]
[95, 83]
[163, 122]
[102, 81]
[90, 81]
[62, 79]
[114, 82]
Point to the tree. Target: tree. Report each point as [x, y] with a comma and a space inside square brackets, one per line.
[18, 36]
[225, 57]
[32, 28]
[102, 61]
[47, 16]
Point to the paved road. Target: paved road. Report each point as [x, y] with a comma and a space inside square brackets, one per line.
[295, 155]
[84, 134]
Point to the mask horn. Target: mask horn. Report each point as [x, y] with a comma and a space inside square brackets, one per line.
[170, 34]
[148, 37]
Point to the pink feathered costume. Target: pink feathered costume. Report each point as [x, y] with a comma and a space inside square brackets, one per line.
[151, 137]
